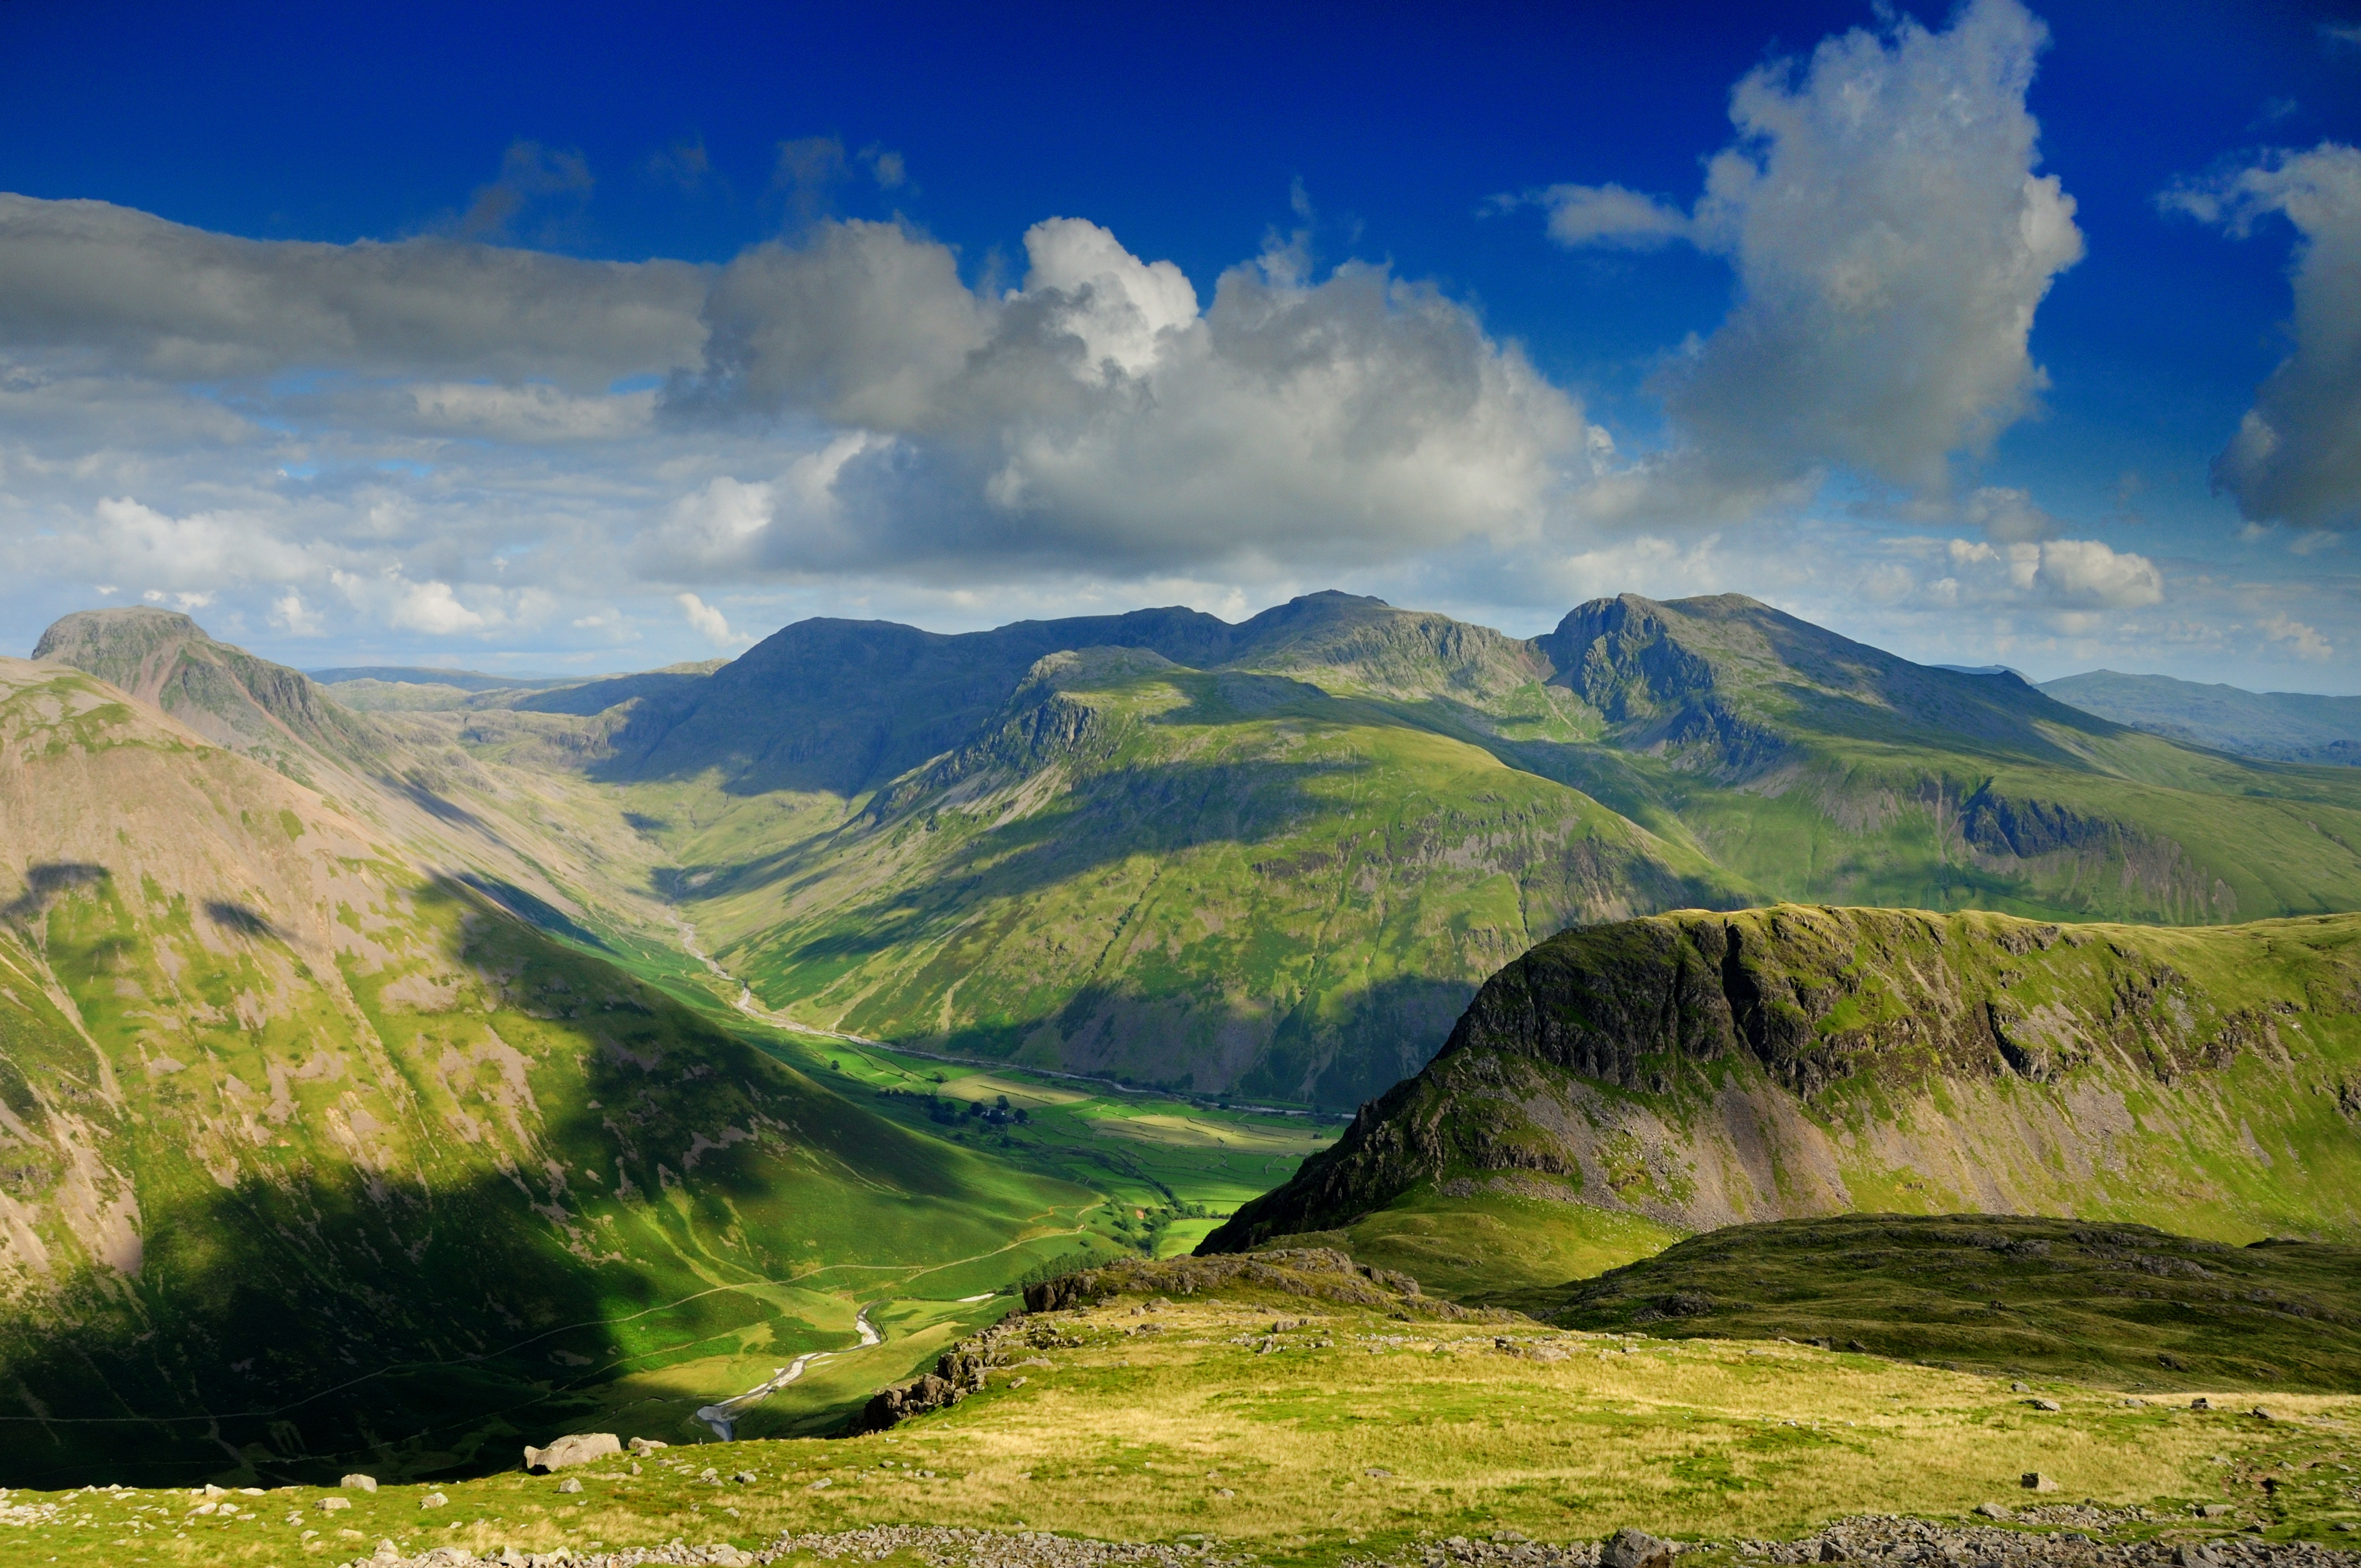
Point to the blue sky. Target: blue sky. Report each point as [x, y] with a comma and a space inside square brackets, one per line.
[302, 322]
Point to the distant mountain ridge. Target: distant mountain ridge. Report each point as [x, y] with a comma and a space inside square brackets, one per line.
[427, 675]
[1279, 856]
[2295, 727]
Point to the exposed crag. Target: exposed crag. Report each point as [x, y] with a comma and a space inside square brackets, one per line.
[1701, 1070]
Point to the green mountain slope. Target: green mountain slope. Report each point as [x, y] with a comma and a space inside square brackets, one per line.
[2295, 727]
[1821, 770]
[2005, 1293]
[311, 1158]
[1278, 857]
[1207, 879]
[1695, 1070]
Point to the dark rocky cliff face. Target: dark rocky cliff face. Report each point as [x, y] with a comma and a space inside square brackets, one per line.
[1762, 1028]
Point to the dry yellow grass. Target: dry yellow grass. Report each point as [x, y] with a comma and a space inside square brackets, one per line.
[1359, 1430]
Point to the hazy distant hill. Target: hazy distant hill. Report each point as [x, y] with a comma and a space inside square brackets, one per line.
[2296, 726]
[422, 675]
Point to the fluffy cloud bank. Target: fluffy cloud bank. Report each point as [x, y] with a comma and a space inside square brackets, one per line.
[452, 439]
[1096, 417]
[2297, 456]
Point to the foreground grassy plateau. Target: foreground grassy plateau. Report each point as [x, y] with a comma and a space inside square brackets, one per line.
[1312, 1428]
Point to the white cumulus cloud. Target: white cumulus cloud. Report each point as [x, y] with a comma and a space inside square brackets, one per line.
[707, 621]
[1096, 418]
[2296, 457]
[1892, 243]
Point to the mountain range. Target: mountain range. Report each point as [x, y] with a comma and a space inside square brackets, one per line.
[1276, 858]
[314, 1007]
[2295, 727]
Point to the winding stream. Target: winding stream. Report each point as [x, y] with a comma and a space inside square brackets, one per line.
[722, 1416]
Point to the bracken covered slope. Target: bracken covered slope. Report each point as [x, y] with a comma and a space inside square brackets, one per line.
[311, 1159]
[1699, 1069]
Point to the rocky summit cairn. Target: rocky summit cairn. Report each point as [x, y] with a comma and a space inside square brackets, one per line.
[574, 1448]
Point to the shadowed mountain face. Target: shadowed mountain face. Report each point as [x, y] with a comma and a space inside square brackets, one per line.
[2293, 727]
[1696, 1070]
[312, 1159]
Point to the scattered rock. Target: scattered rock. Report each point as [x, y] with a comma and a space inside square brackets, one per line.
[2212, 1510]
[571, 1484]
[1223, 1492]
[2186, 1556]
[574, 1448]
[744, 1479]
[2045, 1404]
[1629, 1548]
[359, 1483]
[1994, 1511]
[2261, 1414]
[330, 1504]
[1378, 1472]
[2016, 1389]
[822, 1484]
[433, 1500]
[2035, 1481]
[645, 1445]
[2200, 1403]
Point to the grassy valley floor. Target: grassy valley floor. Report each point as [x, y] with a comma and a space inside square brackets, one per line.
[1301, 1429]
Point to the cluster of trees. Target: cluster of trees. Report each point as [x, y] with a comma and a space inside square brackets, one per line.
[950, 1112]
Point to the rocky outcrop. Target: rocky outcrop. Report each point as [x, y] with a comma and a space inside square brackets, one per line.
[959, 1372]
[1706, 1069]
[574, 1448]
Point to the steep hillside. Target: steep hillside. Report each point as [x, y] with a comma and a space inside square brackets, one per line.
[223, 692]
[311, 1159]
[2295, 727]
[1695, 1070]
[541, 839]
[1210, 880]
